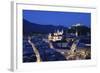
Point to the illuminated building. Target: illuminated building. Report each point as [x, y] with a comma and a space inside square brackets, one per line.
[56, 36]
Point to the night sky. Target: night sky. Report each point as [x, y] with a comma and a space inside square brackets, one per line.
[57, 18]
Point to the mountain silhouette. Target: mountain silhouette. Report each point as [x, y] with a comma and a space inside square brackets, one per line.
[31, 28]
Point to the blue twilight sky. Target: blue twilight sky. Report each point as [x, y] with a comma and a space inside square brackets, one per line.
[57, 18]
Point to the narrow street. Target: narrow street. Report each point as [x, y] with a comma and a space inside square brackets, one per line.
[35, 50]
[62, 52]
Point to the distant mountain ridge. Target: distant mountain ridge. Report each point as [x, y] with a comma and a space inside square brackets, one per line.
[31, 28]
